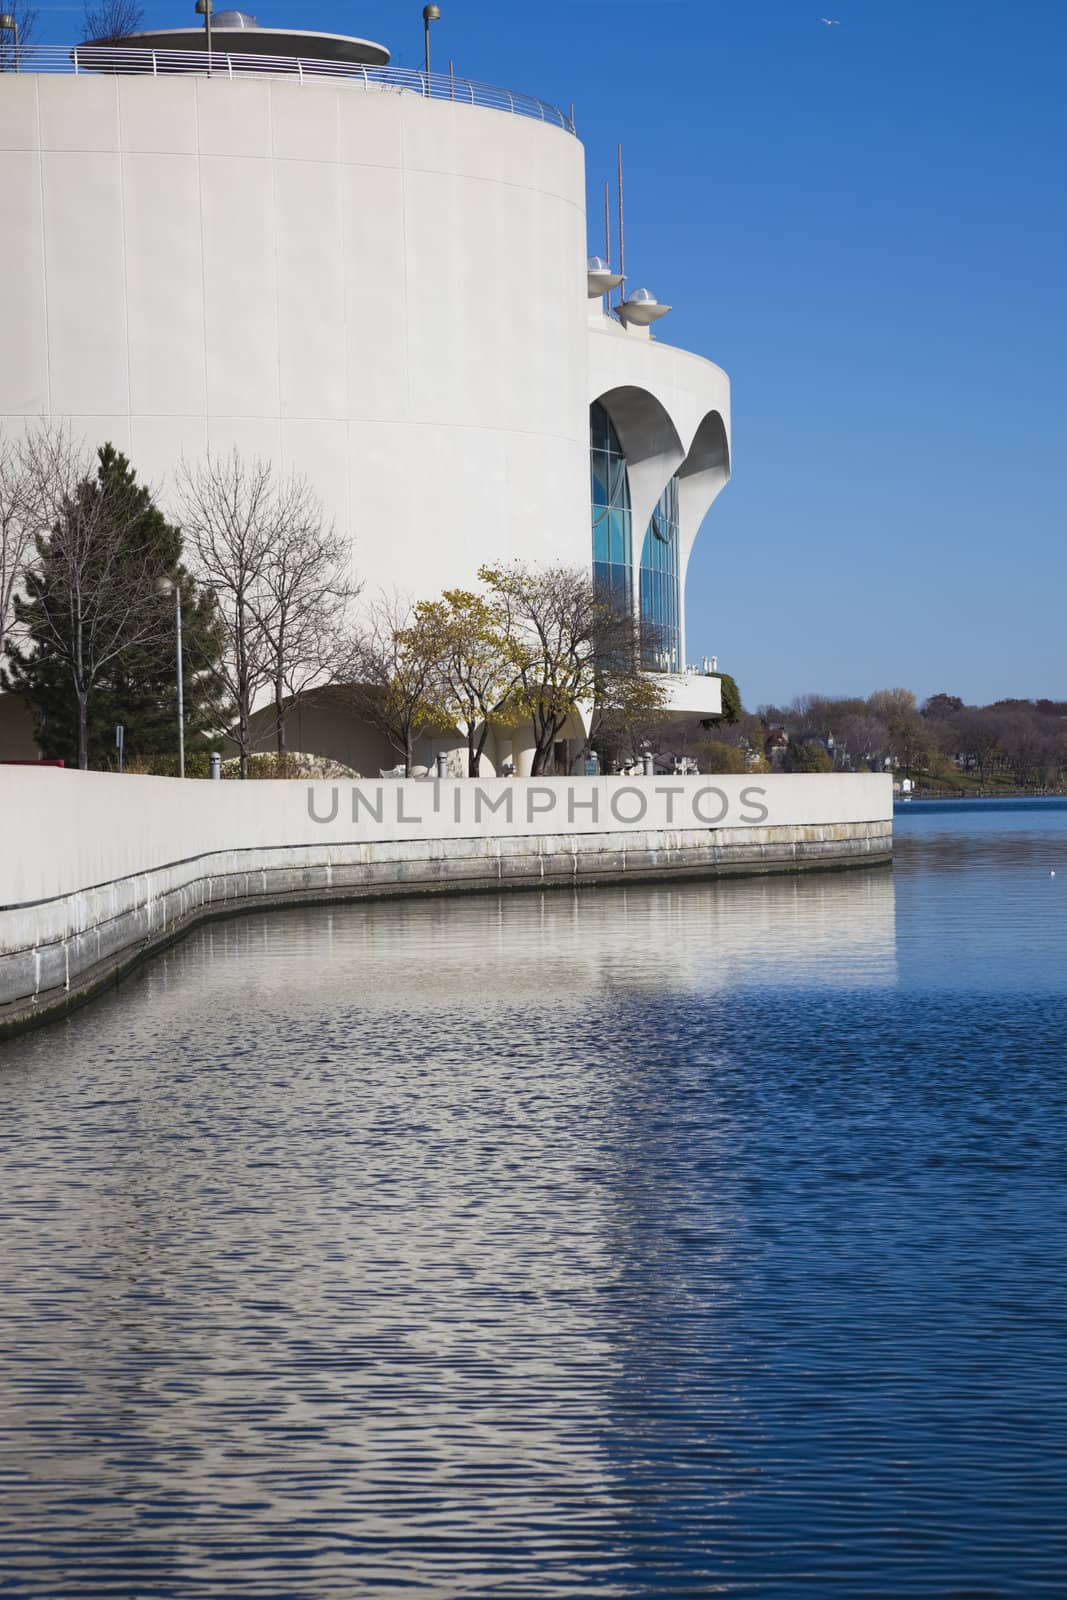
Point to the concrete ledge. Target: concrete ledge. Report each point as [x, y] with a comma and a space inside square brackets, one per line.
[58, 953]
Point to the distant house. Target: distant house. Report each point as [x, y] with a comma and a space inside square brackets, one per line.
[775, 746]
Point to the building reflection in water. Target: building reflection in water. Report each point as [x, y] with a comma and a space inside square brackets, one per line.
[400, 1243]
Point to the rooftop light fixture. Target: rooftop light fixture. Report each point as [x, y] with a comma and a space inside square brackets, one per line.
[429, 14]
[10, 24]
[600, 277]
[641, 308]
[204, 8]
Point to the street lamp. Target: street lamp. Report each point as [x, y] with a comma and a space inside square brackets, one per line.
[204, 8]
[9, 23]
[429, 14]
[171, 586]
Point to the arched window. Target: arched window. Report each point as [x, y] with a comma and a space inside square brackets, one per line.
[660, 592]
[612, 542]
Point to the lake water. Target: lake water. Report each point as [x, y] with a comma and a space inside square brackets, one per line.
[694, 1241]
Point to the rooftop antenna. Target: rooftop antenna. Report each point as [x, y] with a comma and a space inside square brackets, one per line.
[622, 234]
[607, 241]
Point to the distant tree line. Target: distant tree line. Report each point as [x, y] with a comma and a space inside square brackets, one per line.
[943, 743]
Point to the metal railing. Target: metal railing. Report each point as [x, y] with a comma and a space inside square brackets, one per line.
[127, 60]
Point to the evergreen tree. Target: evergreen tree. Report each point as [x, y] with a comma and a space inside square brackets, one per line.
[98, 625]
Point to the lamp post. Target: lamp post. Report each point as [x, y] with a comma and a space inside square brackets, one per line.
[429, 14]
[204, 8]
[9, 23]
[172, 586]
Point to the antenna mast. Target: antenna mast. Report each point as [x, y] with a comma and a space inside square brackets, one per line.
[622, 235]
[607, 241]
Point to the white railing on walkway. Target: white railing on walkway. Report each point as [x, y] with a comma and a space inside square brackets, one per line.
[126, 60]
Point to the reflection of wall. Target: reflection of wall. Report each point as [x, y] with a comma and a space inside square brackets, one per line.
[425, 1149]
[266, 1250]
[834, 929]
[838, 929]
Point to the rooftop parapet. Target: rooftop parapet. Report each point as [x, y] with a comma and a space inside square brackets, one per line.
[146, 60]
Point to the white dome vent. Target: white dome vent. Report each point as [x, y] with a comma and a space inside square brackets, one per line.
[640, 308]
[599, 277]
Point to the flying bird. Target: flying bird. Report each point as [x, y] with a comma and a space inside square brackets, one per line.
[831, 22]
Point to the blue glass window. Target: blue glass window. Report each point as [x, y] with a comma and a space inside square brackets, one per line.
[660, 590]
[612, 540]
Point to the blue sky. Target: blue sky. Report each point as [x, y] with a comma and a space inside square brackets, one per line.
[866, 226]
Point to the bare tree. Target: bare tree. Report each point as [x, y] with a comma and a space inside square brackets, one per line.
[90, 595]
[22, 518]
[627, 722]
[628, 697]
[1025, 747]
[909, 738]
[281, 581]
[569, 648]
[395, 674]
[862, 740]
[301, 604]
[111, 21]
[228, 511]
[13, 41]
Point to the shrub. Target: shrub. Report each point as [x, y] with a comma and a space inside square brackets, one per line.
[718, 756]
[810, 756]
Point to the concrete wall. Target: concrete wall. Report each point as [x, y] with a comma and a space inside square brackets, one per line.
[383, 291]
[98, 869]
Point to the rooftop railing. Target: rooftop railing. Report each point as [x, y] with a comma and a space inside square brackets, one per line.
[127, 61]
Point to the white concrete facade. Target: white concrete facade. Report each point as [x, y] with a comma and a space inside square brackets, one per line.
[77, 830]
[671, 411]
[383, 291]
[319, 274]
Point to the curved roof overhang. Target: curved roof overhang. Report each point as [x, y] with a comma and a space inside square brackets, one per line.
[650, 443]
[671, 410]
[705, 470]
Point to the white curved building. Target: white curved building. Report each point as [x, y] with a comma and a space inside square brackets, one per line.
[376, 279]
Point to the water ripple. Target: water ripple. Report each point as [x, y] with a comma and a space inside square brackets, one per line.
[680, 1242]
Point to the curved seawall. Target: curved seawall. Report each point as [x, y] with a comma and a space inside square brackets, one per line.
[100, 870]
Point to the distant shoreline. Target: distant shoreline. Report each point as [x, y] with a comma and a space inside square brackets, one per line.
[979, 799]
